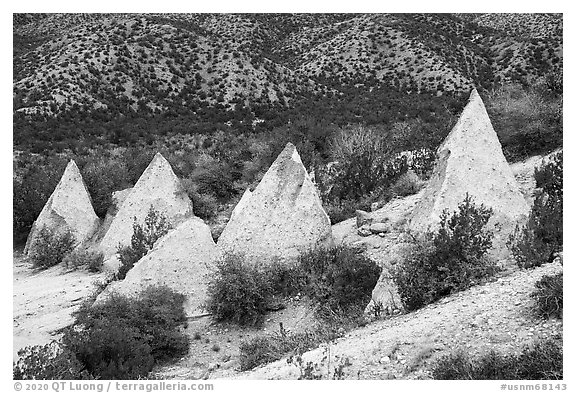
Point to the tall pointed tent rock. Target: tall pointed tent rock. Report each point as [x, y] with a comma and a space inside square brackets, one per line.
[158, 187]
[182, 260]
[69, 208]
[470, 160]
[281, 218]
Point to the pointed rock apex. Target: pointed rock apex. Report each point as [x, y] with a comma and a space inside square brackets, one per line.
[243, 202]
[281, 218]
[471, 161]
[69, 208]
[157, 187]
[181, 260]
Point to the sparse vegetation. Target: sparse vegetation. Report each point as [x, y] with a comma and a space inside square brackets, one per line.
[447, 261]
[542, 360]
[50, 247]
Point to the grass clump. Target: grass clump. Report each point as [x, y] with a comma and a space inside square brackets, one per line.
[448, 261]
[50, 247]
[265, 349]
[542, 360]
[549, 296]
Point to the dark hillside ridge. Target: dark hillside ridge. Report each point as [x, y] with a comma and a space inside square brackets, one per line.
[111, 78]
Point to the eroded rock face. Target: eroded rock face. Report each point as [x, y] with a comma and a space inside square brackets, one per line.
[282, 218]
[69, 208]
[183, 260]
[158, 187]
[471, 161]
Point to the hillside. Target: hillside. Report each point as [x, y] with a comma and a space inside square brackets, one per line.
[492, 316]
[259, 71]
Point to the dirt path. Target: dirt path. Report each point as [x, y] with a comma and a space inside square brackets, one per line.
[43, 301]
[496, 316]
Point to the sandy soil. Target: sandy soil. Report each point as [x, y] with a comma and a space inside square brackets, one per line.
[43, 301]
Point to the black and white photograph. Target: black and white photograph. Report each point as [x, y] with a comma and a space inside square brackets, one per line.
[199, 197]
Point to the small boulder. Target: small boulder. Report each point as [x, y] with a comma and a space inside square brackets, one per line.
[380, 227]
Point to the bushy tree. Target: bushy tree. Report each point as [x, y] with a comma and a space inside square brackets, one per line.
[449, 260]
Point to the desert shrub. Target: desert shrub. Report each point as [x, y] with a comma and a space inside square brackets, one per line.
[541, 238]
[340, 280]
[238, 292]
[49, 361]
[542, 360]
[361, 155]
[407, 184]
[549, 296]
[50, 247]
[122, 337]
[205, 205]
[449, 260]
[92, 260]
[143, 239]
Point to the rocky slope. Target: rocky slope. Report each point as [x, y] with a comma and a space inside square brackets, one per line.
[495, 316]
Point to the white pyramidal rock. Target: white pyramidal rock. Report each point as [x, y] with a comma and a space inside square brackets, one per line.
[470, 160]
[182, 260]
[69, 208]
[242, 203]
[158, 187]
[281, 218]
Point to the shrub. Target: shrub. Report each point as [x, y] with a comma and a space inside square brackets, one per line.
[448, 261]
[122, 337]
[205, 205]
[540, 239]
[49, 361]
[549, 296]
[143, 239]
[92, 260]
[340, 279]
[407, 184]
[542, 360]
[50, 247]
[238, 292]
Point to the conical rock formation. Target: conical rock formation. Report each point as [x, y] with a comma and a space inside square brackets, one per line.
[183, 260]
[282, 218]
[69, 208]
[242, 203]
[158, 187]
[471, 161]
